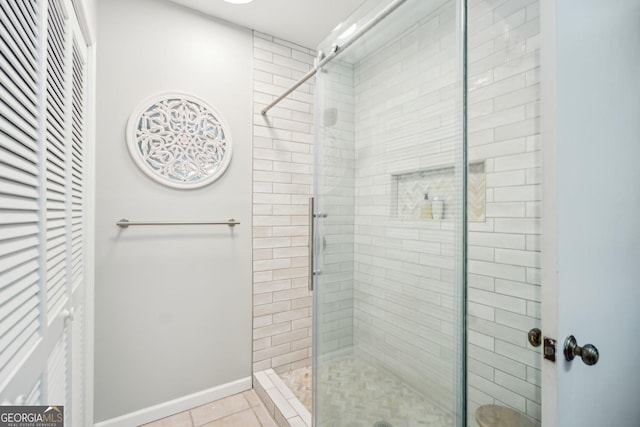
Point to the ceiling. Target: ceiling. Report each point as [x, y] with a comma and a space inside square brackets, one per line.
[304, 22]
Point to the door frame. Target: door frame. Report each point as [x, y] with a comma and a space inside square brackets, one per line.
[549, 256]
[86, 14]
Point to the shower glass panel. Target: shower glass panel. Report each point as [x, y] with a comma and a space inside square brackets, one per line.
[503, 261]
[389, 228]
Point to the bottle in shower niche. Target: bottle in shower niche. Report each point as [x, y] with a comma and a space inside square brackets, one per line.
[425, 208]
[437, 208]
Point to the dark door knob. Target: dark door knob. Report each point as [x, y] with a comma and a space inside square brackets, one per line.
[535, 337]
[588, 353]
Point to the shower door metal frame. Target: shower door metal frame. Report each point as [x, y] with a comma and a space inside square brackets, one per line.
[461, 353]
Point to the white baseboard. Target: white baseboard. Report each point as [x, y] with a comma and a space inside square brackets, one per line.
[171, 407]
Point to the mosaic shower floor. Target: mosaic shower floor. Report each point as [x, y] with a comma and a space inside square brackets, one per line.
[299, 382]
[357, 394]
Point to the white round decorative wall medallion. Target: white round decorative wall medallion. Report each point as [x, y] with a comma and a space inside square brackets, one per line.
[179, 140]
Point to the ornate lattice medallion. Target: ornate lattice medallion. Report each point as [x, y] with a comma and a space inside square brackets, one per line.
[179, 140]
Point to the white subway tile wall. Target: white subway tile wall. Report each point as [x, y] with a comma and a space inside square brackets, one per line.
[504, 252]
[282, 185]
[388, 284]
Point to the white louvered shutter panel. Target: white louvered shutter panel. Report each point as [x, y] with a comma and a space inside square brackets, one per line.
[19, 196]
[77, 167]
[78, 125]
[57, 157]
[58, 154]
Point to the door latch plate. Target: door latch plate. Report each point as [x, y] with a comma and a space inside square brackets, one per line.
[549, 349]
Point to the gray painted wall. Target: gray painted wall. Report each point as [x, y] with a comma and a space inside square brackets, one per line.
[173, 305]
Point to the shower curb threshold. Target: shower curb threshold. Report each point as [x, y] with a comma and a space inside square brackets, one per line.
[281, 403]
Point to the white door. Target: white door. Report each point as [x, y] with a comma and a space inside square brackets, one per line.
[77, 213]
[43, 141]
[591, 149]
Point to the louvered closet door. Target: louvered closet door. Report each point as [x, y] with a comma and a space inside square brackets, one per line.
[20, 291]
[56, 202]
[42, 205]
[76, 215]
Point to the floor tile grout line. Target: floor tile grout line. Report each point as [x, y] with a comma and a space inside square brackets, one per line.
[227, 415]
[259, 406]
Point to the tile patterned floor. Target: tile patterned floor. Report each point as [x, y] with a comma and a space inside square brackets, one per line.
[357, 394]
[299, 382]
[240, 410]
[353, 394]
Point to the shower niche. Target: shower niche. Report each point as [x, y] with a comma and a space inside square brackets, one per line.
[431, 194]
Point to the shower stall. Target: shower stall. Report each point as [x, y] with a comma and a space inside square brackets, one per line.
[426, 216]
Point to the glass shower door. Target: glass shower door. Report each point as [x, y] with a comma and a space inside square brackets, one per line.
[504, 242]
[389, 224]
